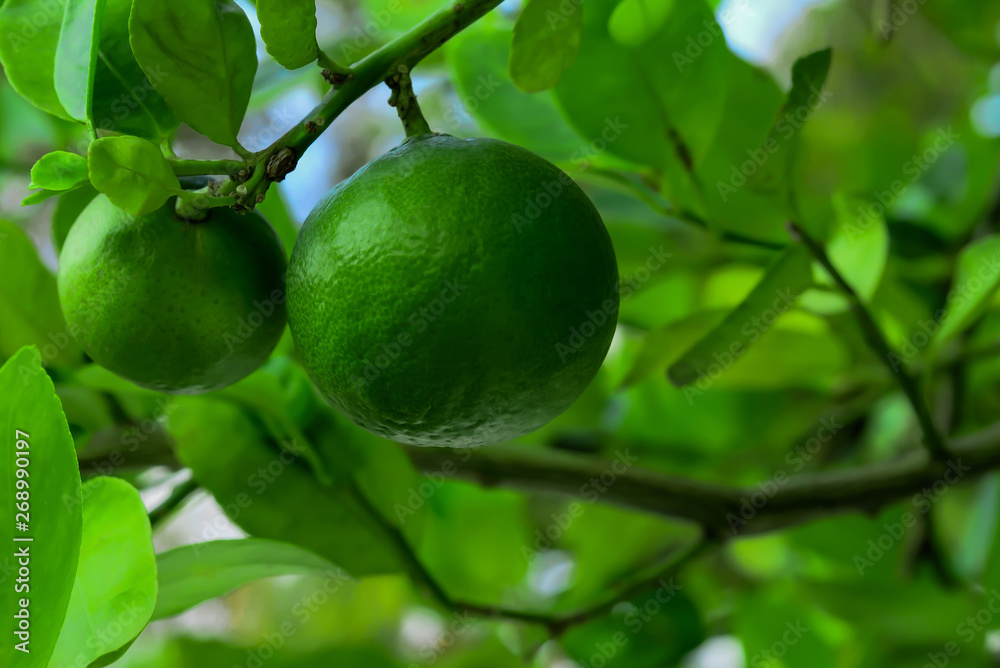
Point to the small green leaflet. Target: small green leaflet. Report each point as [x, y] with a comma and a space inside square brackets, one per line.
[977, 278]
[194, 574]
[36, 440]
[132, 173]
[787, 277]
[28, 50]
[76, 56]
[546, 40]
[115, 587]
[206, 70]
[809, 75]
[59, 170]
[288, 28]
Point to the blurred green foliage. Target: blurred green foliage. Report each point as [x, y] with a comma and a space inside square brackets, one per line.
[886, 148]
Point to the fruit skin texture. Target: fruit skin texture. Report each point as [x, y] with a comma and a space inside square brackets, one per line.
[433, 295]
[174, 306]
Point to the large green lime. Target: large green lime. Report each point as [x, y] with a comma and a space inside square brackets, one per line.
[174, 306]
[453, 292]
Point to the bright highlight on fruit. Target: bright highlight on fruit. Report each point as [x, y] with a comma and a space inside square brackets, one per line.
[173, 306]
[434, 294]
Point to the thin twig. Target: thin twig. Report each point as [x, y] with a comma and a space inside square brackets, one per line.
[876, 341]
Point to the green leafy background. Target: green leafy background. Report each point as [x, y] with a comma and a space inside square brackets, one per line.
[874, 126]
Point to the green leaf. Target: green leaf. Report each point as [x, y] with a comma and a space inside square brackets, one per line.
[288, 28]
[59, 170]
[227, 451]
[125, 100]
[40, 196]
[68, 209]
[663, 346]
[784, 281]
[34, 428]
[194, 574]
[29, 301]
[30, 32]
[639, 99]
[206, 69]
[115, 589]
[977, 277]
[132, 173]
[635, 21]
[809, 75]
[478, 58]
[546, 40]
[76, 56]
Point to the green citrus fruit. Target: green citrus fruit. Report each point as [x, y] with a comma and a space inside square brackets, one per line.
[453, 292]
[174, 306]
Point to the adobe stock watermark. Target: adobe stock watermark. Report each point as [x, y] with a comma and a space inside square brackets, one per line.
[635, 620]
[418, 495]
[772, 655]
[967, 630]
[696, 45]
[752, 329]
[882, 200]
[258, 482]
[901, 12]
[593, 320]
[28, 27]
[796, 460]
[110, 636]
[590, 491]
[419, 321]
[128, 102]
[786, 126]
[245, 327]
[365, 35]
[303, 611]
[922, 503]
[549, 191]
[115, 278]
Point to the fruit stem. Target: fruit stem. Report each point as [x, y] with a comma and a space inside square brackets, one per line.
[193, 205]
[405, 101]
[408, 49]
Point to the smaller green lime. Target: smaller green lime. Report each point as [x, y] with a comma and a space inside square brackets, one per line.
[172, 305]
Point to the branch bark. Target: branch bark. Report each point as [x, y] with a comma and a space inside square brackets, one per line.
[723, 510]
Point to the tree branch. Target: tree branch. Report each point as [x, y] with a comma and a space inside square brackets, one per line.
[407, 50]
[722, 510]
